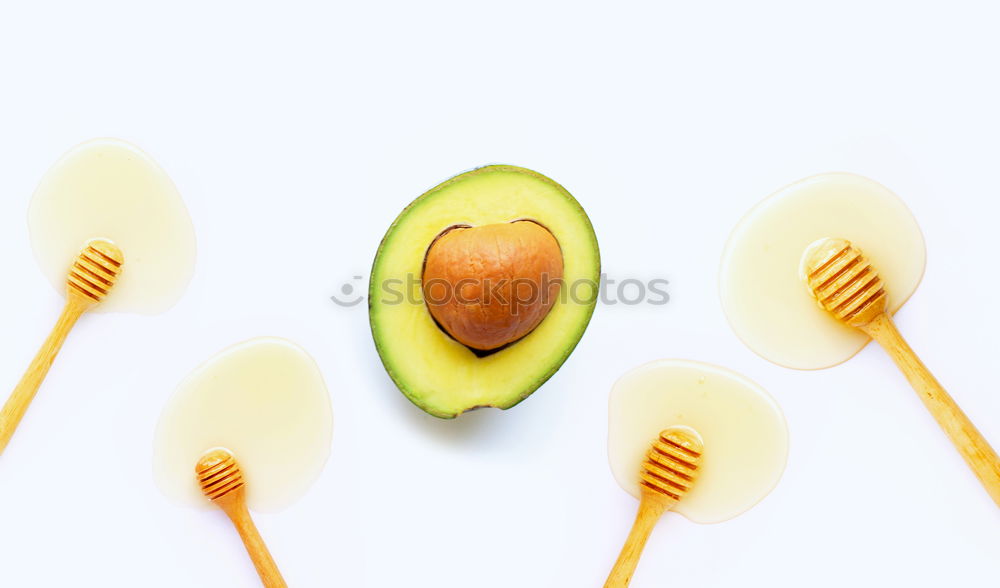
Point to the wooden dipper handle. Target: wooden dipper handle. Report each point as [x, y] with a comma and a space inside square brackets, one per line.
[846, 285]
[670, 469]
[221, 480]
[976, 451]
[92, 275]
[17, 404]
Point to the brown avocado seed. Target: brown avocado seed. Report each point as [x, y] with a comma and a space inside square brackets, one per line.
[490, 285]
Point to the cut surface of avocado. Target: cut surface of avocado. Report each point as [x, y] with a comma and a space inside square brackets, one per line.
[436, 372]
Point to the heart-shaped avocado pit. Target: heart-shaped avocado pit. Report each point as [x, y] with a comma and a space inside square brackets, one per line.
[490, 285]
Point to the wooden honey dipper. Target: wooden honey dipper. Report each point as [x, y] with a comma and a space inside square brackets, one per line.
[221, 480]
[671, 467]
[94, 272]
[847, 286]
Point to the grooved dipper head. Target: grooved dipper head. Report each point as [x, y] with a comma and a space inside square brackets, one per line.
[218, 474]
[843, 281]
[95, 270]
[671, 466]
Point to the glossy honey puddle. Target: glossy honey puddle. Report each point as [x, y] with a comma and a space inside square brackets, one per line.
[265, 400]
[744, 435]
[110, 189]
[763, 292]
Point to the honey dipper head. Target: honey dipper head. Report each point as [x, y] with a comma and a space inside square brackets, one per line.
[671, 466]
[218, 474]
[95, 270]
[843, 281]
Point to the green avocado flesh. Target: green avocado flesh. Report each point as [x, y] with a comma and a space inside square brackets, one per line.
[437, 373]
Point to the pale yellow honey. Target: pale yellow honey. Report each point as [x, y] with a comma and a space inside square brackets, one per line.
[763, 292]
[265, 400]
[110, 189]
[742, 428]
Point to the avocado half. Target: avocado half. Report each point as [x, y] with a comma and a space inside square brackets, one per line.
[437, 373]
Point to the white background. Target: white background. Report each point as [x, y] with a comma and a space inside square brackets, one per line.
[296, 133]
